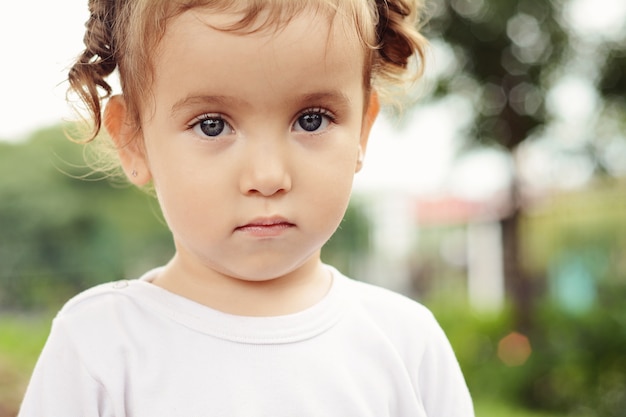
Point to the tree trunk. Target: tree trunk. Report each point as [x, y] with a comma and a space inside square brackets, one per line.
[518, 283]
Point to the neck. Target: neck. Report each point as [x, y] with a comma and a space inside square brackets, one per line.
[286, 294]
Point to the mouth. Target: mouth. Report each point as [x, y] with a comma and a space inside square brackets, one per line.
[266, 227]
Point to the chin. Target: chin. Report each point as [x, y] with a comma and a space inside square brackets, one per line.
[264, 272]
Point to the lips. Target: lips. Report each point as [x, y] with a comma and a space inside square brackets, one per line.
[266, 227]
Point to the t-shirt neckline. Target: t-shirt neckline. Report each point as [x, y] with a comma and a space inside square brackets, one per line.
[289, 328]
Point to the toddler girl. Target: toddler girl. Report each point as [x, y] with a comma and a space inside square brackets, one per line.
[249, 119]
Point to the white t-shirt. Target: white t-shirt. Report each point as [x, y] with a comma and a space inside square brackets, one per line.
[130, 348]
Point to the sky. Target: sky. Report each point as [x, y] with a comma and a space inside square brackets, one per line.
[40, 38]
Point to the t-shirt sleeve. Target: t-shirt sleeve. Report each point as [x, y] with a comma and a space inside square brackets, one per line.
[443, 388]
[61, 385]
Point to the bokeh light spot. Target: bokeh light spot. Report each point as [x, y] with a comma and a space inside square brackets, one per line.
[514, 349]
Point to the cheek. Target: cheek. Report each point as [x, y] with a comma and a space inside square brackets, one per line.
[177, 186]
[329, 188]
[172, 201]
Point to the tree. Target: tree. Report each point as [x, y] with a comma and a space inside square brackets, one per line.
[63, 231]
[507, 54]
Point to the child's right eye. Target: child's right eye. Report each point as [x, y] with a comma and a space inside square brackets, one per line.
[211, 126]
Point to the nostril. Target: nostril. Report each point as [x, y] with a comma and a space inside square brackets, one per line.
[265, 172]
[267, 191]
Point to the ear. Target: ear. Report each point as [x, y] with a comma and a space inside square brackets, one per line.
[373, 108]
[127, 140]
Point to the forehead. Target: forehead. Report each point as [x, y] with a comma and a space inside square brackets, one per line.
[250, 15]
[267, 12]
[202, 51]
[148, 20]
[269, 17]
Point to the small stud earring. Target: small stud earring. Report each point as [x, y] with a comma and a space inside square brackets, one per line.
[133, 173]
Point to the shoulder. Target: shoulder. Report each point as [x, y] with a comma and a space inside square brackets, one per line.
[414, 333]
[99, 299]
[404, 322]
[387, 305]
[108, 307]
[99, 323]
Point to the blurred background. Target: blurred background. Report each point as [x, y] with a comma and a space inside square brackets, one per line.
[496, 198]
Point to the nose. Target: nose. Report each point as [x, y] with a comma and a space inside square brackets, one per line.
[266, 170]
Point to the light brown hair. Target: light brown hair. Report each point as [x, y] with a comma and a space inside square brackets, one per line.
[122, 34]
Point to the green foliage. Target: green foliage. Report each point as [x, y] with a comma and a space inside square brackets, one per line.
[21, 340]
[505, 51]
[590, 223]
[613, 79]
[475, 339]
[493, 408]
[62, 230]
[577, 365]
[351, 241]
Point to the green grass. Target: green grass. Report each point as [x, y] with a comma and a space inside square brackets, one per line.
[21, 340]
[490, 408]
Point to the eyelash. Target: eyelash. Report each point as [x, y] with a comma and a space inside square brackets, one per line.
[315, 110]
[196, 122]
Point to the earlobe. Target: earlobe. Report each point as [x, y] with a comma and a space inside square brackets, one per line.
[373, 108]
[127, 141]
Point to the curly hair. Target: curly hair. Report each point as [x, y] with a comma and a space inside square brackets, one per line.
[121, 35]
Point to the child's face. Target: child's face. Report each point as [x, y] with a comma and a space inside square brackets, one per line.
[252, 140]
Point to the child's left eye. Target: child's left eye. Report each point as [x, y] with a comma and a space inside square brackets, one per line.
[312, 121]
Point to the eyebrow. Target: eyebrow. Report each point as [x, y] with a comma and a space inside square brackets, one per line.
[336, 97]
[198, 100]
